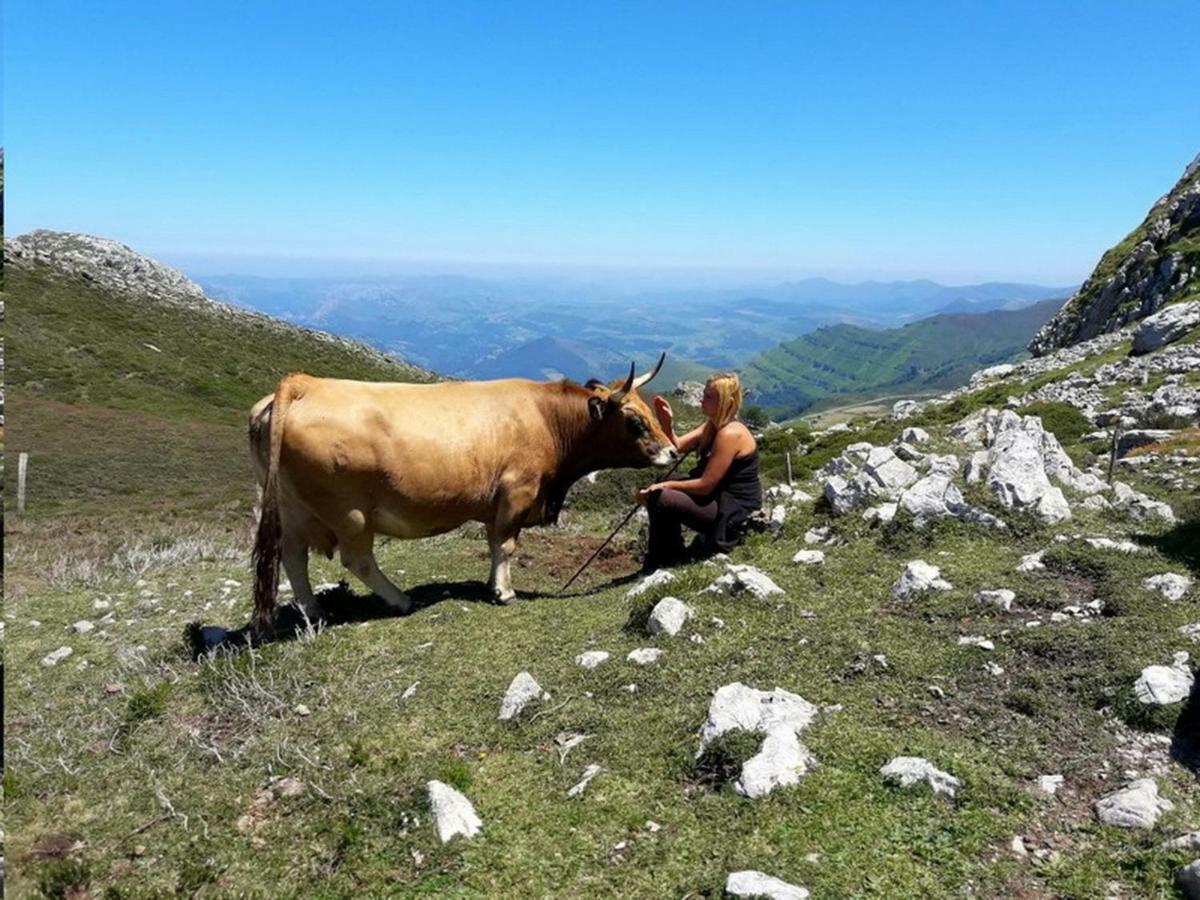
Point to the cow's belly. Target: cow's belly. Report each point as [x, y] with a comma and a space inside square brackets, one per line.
[416, 521]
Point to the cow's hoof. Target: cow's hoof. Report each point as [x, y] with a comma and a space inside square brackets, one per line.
[506, 599]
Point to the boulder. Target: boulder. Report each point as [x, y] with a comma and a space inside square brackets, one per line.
[737, 707]
[668, 616]
[1170, 585]
[905, 409]
[1017, 468]
[1167, 325]
[521, 692]
[914, 435]
[1049, 784]
[890, 473]
[1139, 505]
[1141, 437]
[1164, 685]
[909, 771]
[1137, 805]
[881, 514]
[919, 576]
[751, 883]
[453, 814]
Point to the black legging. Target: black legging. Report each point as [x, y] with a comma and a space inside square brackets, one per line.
[670, 509]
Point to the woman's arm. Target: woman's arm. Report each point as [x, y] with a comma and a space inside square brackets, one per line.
[724, 449]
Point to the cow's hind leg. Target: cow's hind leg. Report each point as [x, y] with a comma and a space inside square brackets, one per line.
[294, 556]
[358, 555]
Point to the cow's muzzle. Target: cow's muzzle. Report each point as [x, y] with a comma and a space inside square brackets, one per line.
[665, 457]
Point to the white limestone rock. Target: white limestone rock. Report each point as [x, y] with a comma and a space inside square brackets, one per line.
[657, 578]
[1001, 598]
[1167, 325]
[1170, 585]
[890, 473]
[1137, 805]
[809, 557]
[592, 658]
[781, 761]
[1032, 562]
[1104, 543]
[740, 579]
[817, 535]
[932, 497]
[54, 657]
[1017, 467]
[1191, 631]
[1049, 784]
[668, 616]
[752, 883]
[521, 692]
[882, 514]
[737, 707]
[1164, 685]
[588, 774]
[919, 576]
[1139, 505]
[910, 771]
[83, 626]
[914, 435]
[453, 814]
[645, 656]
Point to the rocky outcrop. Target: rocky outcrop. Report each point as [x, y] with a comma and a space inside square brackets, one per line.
[1156, 264]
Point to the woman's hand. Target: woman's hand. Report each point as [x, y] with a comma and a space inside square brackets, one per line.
[663, 410]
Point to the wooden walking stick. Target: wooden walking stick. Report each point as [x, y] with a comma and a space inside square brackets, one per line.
[628, 516]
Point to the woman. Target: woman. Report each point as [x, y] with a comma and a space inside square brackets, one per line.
[720, 493]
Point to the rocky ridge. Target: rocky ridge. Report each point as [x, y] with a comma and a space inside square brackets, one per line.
[1155, 265]
[123, 272]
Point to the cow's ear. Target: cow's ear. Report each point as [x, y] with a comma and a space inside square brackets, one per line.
[596, 407]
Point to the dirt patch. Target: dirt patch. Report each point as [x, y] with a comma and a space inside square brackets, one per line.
[560, 555]
[1079, 589]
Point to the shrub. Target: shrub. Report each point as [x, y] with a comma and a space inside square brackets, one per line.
[1066, 422]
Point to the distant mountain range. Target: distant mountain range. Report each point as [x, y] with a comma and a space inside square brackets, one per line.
[476, 328]
[935, 353]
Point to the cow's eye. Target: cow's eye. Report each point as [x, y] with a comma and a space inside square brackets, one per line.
[637, 426]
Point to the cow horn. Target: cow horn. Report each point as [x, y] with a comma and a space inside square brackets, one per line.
[619, 394]
[645, 379]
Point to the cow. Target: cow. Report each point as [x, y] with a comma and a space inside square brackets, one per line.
[342, 461]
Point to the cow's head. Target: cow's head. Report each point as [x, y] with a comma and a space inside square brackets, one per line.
[627, 432]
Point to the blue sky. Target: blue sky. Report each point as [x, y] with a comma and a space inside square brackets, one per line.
[960, 141]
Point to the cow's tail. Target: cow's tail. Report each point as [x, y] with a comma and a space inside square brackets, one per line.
[270, 534]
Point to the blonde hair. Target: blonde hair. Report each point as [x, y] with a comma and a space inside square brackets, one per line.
[729, 397]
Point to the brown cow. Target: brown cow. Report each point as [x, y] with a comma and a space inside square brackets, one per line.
[341, 461]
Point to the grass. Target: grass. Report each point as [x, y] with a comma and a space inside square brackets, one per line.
[193, 745]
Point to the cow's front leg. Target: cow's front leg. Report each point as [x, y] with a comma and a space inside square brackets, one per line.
[501, 578]
[514, 504]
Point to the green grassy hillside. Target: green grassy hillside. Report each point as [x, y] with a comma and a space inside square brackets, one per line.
[935, 353]
[111, 394]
